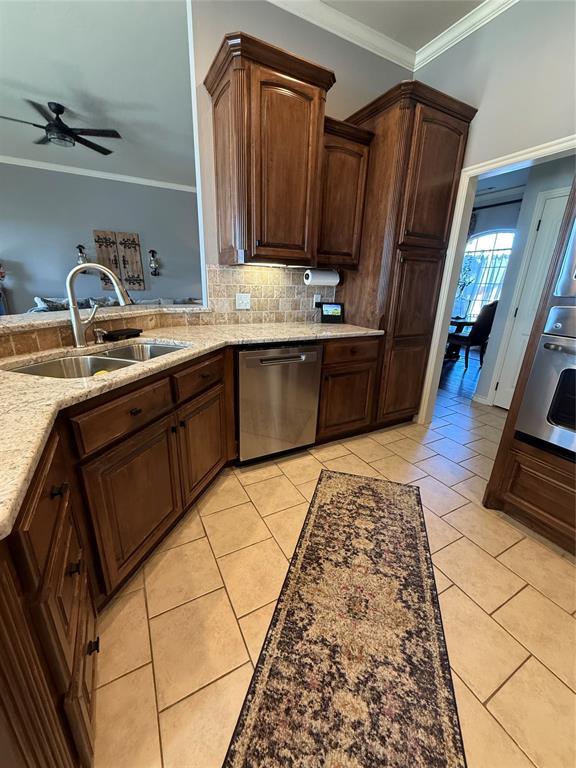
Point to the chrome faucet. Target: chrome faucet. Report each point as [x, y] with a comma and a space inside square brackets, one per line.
[79, 326]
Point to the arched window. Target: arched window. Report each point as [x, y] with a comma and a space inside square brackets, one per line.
[483, 269]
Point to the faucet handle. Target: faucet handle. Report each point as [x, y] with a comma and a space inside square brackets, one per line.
[90, 317]
[99, 335]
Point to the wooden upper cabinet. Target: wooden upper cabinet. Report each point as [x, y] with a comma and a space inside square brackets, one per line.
[418, 275]
[286, 149]
[344, 169]
[436, 154]
[268, 114]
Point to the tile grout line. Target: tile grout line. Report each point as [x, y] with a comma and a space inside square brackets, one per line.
[206, 685]
[491, 715]
[153, 669]
[503, 683]
[230, 601]
[124, 674]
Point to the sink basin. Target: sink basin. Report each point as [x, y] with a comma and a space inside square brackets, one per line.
[141, 352]
[80, 367]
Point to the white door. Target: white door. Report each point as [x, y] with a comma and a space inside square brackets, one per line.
[534, 271]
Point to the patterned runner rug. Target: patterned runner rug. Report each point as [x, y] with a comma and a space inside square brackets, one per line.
[354, 671]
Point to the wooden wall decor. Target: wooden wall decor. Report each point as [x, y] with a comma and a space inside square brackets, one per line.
[120, 252]
[130, 260]
[106, 254]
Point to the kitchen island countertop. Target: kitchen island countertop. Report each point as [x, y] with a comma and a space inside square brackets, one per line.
[30, 404]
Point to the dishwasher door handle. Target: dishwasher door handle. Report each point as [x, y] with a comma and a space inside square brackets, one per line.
[282, 360]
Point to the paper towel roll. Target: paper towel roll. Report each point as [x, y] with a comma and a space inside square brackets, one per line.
[321, 277]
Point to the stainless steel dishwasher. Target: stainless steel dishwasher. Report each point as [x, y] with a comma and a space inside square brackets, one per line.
[278, 398]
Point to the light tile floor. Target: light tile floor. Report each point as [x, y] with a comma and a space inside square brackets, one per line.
[179, 643]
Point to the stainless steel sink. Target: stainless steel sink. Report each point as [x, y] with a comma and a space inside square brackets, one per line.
[142, 352]
[80, 367]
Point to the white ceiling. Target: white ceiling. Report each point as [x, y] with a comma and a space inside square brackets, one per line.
[121, 64]
[410, 22]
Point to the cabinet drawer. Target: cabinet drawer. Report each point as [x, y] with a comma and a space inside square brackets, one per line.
[198, 377]
[56, 607]
[78, 702]
[356, 351]
[31, 540]
[121, 416]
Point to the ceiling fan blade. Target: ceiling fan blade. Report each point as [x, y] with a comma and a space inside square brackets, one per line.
[91, 145]
[41, 109]
[104, 134]
[24, 122]
[43, 140]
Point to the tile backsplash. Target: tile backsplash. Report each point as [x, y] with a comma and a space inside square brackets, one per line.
[277, 295]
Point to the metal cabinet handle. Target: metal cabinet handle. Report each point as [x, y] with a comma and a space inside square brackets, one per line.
[174, 429]
[205, 375]
[73, 568]
[93, 646]
[182, 424]
[554, 347]
[282, 360]
[135, 411]
[58, 490]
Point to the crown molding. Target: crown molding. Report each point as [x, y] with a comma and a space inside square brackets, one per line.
[465, 26]
[328, 18]
[95, 174]
[349, 29]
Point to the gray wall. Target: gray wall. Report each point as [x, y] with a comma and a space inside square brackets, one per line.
[360, 75]
[497, 217]
[519, 71]
[552, 175]
[45, 214]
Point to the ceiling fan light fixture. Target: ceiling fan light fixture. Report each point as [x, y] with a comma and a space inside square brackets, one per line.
[60, 139]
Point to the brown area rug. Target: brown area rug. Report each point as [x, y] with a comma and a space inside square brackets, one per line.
[354, 670]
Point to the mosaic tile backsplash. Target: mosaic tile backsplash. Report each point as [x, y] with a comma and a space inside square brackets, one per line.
[277, 295]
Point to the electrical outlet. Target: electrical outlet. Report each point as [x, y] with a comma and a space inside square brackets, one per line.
[317, 298]
[242, 301]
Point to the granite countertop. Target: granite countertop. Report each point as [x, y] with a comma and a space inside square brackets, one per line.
[30, 404]
[34, 321]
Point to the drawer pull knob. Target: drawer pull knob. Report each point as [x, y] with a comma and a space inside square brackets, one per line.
[353, 351]
[174, 429]
[135, 411]
[93, 646]
[182, 424]
[58, 490]
[204, 375]
[73, 568]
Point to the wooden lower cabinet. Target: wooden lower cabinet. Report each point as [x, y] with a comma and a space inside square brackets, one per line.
[79, 700]
[133, 492]
[202, 441]
[537, 488]
[402, 378]
[31, 728]
[346, 398]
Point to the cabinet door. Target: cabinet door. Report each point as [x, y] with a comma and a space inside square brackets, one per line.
[346, 398]
[56, 607]
[436, 155]
[403, 376]
[417, 282]
[287, 130]
[344, 168]
[134, 495]
[79, 700]
[202, 441]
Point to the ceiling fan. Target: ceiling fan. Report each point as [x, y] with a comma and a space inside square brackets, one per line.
[57, 132]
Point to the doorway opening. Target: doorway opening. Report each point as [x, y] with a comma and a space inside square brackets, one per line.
[506, 244]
